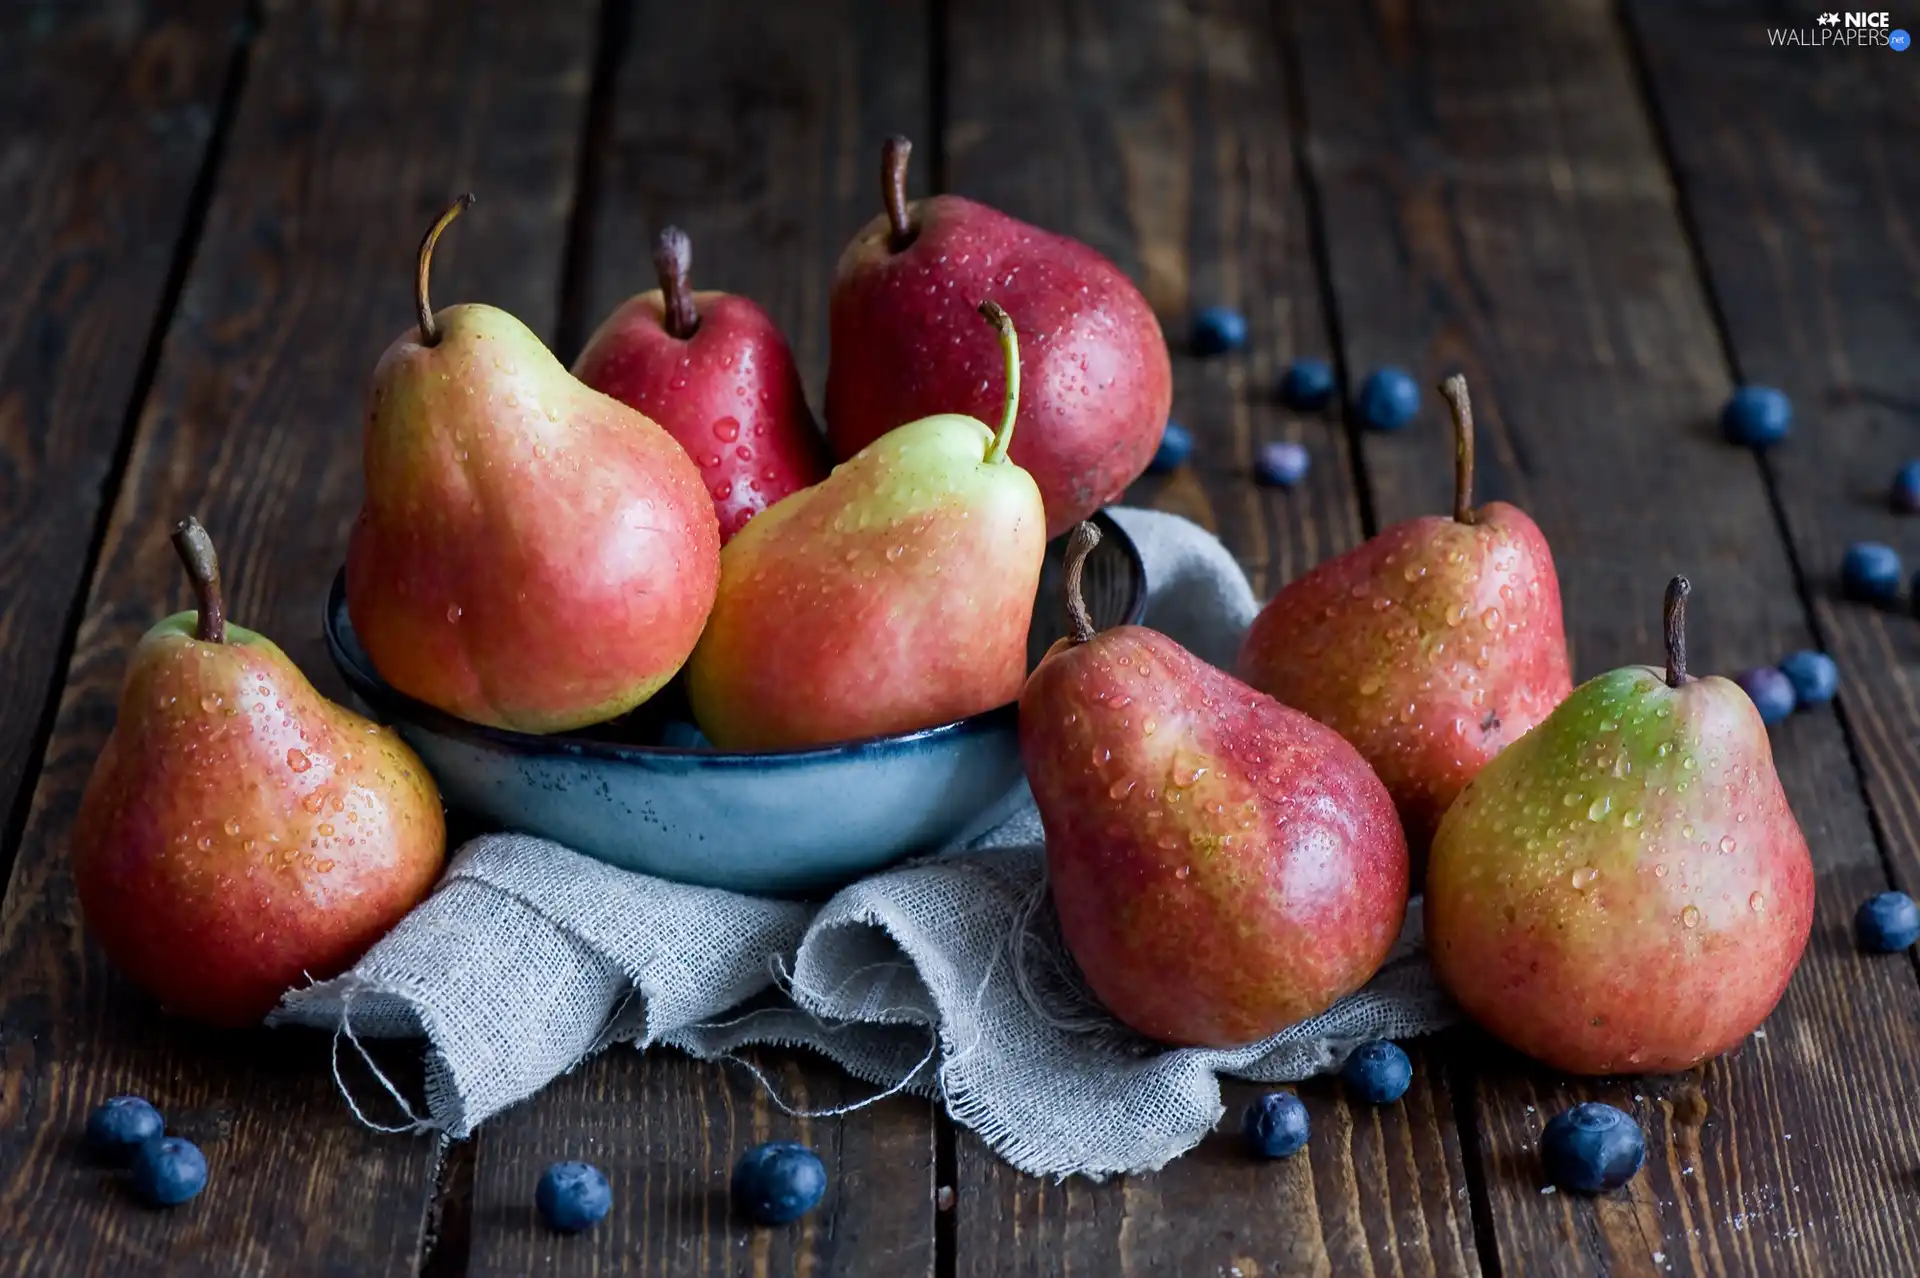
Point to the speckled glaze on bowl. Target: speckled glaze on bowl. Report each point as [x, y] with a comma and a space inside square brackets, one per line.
[791, 822]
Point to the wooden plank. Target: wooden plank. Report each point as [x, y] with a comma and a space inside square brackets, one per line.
[1157, 132]
[1495, 200]
[108, 111]
[355, 125]
[757, 129]
[1796, 166]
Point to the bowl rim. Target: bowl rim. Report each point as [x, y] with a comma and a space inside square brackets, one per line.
[390, 705]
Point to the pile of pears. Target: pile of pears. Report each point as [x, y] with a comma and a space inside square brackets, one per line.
[1613, 880]
[545, 549]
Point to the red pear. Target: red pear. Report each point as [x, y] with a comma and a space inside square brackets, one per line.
[713, 370]
[906, 343]
[240, 832]
[1624, 890]
[1430, 646]
[532, 554]
[1223, 866]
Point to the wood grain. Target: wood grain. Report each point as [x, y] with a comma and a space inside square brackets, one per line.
[107, 111]
[357, 122]
[1157, 132]
[666, 1130]
[1495, 201]
[1799, 176]
[755, 128]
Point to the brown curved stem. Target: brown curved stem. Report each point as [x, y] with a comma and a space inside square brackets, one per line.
[1079, 546]
[430, 331]
[673, 263]
[893, 190]
[1676, 626]
[195, 549]
[1454, 391]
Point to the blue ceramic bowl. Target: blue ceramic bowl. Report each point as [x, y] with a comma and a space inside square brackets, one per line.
[789, 822]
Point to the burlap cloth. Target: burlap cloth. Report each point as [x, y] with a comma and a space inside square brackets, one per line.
[944, 977]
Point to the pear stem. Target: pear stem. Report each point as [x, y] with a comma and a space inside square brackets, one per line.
[1676, 627]
[893, 190]
[430, 331]
[1079, 546]
[195, 549]
[1010, 348]
[1454, 391]
[673, 263]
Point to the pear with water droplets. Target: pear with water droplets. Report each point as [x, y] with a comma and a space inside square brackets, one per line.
[1624, 890]
[893, 595]
[532, 554]
[241, 833]
[1430, 646]
[1097, 360]
[1223, 866]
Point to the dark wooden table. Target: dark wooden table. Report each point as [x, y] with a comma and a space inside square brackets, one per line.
[1604, 215]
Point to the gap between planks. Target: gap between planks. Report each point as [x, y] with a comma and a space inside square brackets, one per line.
[200, 197]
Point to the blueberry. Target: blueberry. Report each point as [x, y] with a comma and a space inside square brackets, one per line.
[1870, 571]
[1175, 447]
[1772, 692]
[1217, 330]
[1887, 922]
[1813, 675]
[168, 1170]
[1275, 1126]
[1378, 1072]
[1905, 498]
[1307, 385]
[1388, 399]
[778, 1182]
[1281, 464]
[1756, 416]
[122, 1125]
[1591, 1148]
[572, 1196]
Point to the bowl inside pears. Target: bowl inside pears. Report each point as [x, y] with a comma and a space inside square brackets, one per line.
[637, 794]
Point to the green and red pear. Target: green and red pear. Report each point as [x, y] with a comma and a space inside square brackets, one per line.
[1431, 646]
[1223, 866]
[894, 595]
[1624, 890]
[240, 833]
[532, 554]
